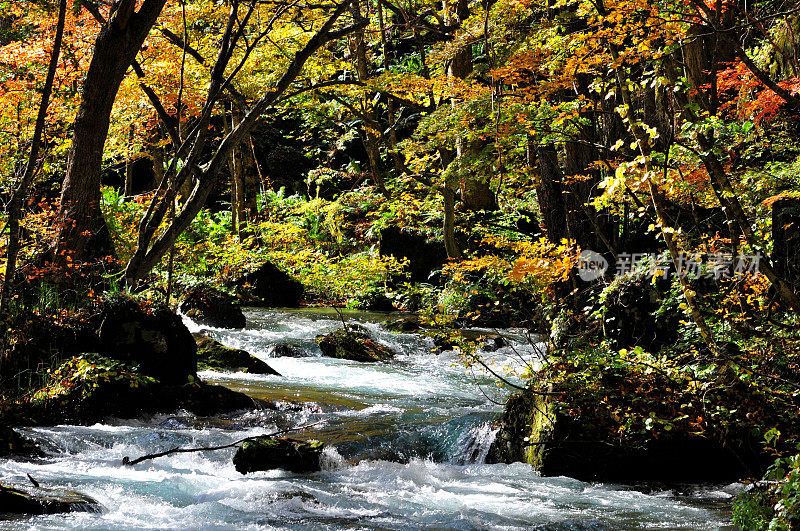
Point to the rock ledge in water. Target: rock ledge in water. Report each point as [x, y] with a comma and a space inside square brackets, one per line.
[38, 500]
[269, 453]
[534, 431]
[213, 355]
[353, 344]
[14, 444]
[90, 388]
[209, 306]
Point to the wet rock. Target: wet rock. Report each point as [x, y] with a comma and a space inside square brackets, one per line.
[269, 453]
[407, 324]
[38, 500]
[14, 444]
[353, 343]
[285, 350]
[154, 338]
[213, 355]
[533, 430]
[374, 300]
[424, 256]
[208, 306]
[89, 389]
[493, 343]
[270, 287]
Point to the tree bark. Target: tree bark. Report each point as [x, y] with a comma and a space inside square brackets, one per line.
[83, 233]
[550, 194]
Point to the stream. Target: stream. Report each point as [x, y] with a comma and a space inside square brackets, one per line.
[407, 444]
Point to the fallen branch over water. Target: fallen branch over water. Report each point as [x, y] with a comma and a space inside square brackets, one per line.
[127, 461]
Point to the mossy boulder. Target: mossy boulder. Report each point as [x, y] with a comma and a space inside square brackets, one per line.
[209, 306]
[635, 313]
[214, 356]
[90, 388]
[406, 324]
[269, 453]
[148, 335]
[36, 501]
[353, 343]
[535, 429]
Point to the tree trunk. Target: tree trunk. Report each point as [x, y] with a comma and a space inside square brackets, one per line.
[83, 233]
[370, 123]
[128, 192]
[15, 206]
[476, 192]
[550, 194]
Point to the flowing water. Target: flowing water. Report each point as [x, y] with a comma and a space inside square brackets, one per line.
[407, 442]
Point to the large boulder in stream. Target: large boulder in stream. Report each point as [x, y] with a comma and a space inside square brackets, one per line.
[209, 306]
[269, 453]
[268, 286]
[214, 356]
[150, 336]
[26, 500]
[90, 388]
[353, 343]
[535, 430]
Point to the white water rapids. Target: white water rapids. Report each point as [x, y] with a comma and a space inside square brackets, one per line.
[408, 441]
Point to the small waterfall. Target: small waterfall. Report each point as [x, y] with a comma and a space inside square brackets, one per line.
[473, 446]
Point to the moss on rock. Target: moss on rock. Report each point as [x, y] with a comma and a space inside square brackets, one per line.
[268, 453]
[213, 355]
[353, 343]
[37, 500]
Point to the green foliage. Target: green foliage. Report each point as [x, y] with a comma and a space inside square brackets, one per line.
[82, 375]
[752, 510]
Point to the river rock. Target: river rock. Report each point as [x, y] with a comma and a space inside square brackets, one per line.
[353, 343]
[90, 388]
[493, 343]
[209, 306]
[38, 500]
[270, 287]
[268, 453]
[406, 324]
[213, 355]
[153, 337]
[533, 430]
[285, 350]
[14, 444]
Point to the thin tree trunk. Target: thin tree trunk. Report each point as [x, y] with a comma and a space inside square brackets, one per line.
[398, 165]
[15, 206]
[370, 123]
[450, 242]
[733, 208]
[129, 164]
[147, 256]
